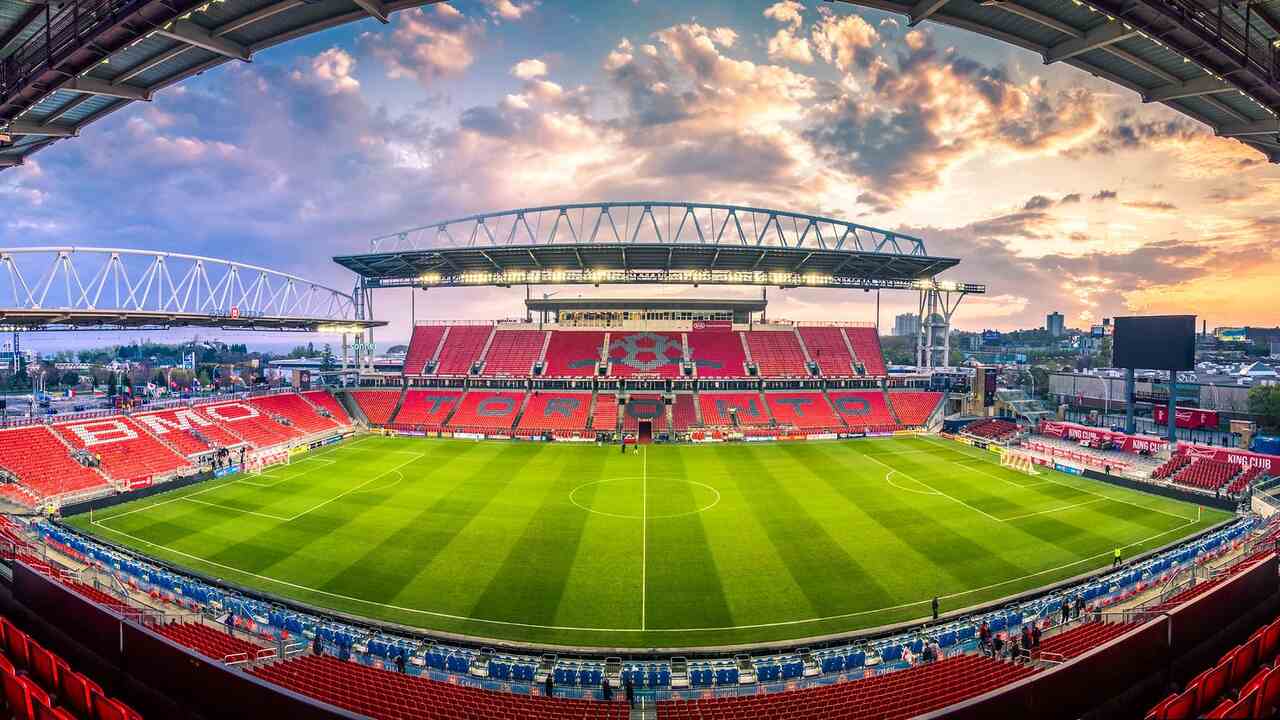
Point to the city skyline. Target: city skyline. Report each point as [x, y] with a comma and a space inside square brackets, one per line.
[1054, 188]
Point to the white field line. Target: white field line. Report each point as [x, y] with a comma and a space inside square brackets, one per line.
[889, 480]
[239, 510]
[1097, 494]
[286, 478]
[357, 487]
[1057, 509]
[949, 497]
[644, 540]
[507, 623]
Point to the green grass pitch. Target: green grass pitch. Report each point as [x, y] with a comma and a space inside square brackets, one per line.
[675, 546]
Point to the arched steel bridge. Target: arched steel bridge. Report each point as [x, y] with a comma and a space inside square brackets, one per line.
[65, 65]
[47, 288]
[659, 242]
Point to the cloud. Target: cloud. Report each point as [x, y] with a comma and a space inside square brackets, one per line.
[787, 12]
[846, 41]
[332, 71]
[1153, 206]
[1038, 202]
[509, 10]
[529, 69]
[1071, 198]
[426, 44]
[1104, 195]
[901, 128]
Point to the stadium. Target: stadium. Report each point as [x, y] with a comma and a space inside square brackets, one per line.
[623, 504]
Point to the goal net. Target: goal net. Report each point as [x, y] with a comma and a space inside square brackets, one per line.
[1018, 461]
[258, 462]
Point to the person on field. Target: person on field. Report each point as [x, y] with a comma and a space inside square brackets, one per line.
[935, 607]
[1115, 559]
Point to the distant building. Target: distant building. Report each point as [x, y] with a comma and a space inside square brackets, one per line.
[1054, 324]
[906, 325]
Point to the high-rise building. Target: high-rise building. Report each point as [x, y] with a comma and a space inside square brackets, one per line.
[1054, 324]
[906, 324]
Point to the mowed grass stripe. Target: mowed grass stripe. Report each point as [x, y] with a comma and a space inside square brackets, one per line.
[806, 538]
[829, 576]
[541, 558]
[684, 580]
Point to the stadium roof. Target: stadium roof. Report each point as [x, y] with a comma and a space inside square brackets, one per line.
[1216, 62]
[72, 288]
[650, 242]
[101, 55]
[657, 303]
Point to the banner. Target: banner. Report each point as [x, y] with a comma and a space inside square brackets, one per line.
[1093, 436]
[1067, 469]
[1269, 464]
[714, 325]
[1191, 418]
[995, 449]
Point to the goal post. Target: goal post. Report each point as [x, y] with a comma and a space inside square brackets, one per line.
[258, 462]
[1018, 461]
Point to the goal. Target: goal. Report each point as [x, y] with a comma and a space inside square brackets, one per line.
[256, 463]
[1018, 461]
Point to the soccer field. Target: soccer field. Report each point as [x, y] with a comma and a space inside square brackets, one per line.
[674, 546]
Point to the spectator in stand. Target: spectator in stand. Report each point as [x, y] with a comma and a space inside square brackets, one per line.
[316, 648]
[907, 656]
[1035, 636]
[1066, 611]
[606, 691]
[1079, 605]
[1028, 641]
[400, 662]
[231, 624]
[550, 686]
[1015, 650]
[984, 637]
[997, 646]
[630, 691]
[935, 650]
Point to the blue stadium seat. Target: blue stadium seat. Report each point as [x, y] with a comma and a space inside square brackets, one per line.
[855, 659]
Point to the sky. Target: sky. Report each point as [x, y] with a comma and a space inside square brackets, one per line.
[1057, 190]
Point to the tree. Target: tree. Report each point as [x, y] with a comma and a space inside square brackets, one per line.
[70, 379]
[1264, 401]
[111, 385]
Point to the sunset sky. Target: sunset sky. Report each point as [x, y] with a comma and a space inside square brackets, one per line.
[1058, 190]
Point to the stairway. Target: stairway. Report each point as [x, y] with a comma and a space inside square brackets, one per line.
[399, 403]
[352, 407]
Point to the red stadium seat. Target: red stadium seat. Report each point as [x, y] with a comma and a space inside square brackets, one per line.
[427, 408]
[684, 413]
[641, 406]
[483, 410]
[300, 413]
[604, 416]
[422, 348]
[914, 408]
[645, 353]
[828, 348]
[556, 412]
[863, 410]
[513, 352]
[804, 410]
[777, 353]
[255, 425]
[717, 353]
[748, 409]
[865, 342]
[322, 399]
[43, 463]
[377, 405]
[573, 353]
[461, 348]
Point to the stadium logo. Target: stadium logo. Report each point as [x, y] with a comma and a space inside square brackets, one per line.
[852, 405]
[103, 432]
[228, 412]
[646, 351]
[644, 408]
[182, 420]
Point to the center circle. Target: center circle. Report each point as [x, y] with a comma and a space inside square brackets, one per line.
[645, 498]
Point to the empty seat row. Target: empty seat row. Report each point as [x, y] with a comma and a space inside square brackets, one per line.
[40, 685]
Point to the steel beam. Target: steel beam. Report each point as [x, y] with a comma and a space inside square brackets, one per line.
[192, 34]
[19, 127]
[1099, 37]
[93, 86]
[378, 10]
[921, 10]
[1258, 127]
[1207, 85]
[11, 161]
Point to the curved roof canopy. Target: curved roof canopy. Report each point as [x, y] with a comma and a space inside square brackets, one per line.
[1217, 61]
[66, 64]
[650, 242]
